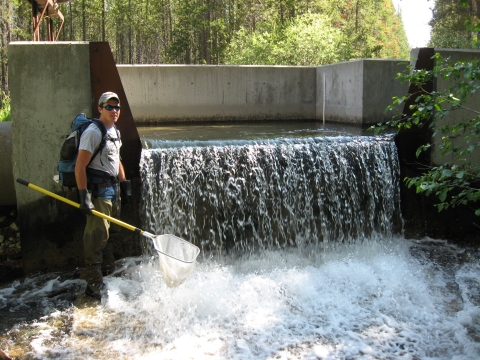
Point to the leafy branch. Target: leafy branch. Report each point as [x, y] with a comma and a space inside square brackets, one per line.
[455, 128]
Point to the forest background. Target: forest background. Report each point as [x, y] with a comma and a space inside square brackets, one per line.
[261, 32]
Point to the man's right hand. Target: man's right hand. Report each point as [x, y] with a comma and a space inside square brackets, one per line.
[86, 205]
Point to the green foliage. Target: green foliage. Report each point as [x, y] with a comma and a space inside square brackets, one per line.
[199, 35]
[328, 32]
[455, 24]
[15, 18]
[5, 111]
[371, 28]
[457, 180]
[306, 40]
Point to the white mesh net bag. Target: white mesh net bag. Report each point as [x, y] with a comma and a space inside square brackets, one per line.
[177, 258]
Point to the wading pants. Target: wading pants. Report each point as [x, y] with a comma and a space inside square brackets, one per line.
[97, 254]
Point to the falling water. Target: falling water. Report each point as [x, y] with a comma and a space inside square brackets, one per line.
[265, 195]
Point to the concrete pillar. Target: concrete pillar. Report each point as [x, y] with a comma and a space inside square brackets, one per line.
[358, 92]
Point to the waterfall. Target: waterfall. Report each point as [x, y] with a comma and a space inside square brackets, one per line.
[251, 195]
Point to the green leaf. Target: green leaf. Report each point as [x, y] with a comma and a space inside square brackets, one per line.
[446, 173]
[443, 194]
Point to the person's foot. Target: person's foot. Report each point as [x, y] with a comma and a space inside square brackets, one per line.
[95, 290]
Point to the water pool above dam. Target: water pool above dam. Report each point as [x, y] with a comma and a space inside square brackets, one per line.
[204, 134]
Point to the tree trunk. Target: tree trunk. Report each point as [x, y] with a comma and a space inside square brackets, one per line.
[84, 20]
[103, 20]
[130, 33]
[5, 35]
[356, 16]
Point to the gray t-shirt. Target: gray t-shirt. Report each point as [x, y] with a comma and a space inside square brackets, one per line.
[108, 159]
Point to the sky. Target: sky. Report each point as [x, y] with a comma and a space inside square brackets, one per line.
[416, 14]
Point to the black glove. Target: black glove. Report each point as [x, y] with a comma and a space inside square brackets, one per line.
[86, 205]
[125, 191]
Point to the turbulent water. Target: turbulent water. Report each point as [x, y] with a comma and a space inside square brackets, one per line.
[390, 299]
[302, 258]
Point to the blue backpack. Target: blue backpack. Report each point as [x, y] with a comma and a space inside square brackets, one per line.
[69, 150]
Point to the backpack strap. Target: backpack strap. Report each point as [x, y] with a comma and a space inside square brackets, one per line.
[118, 132]
[103, 130]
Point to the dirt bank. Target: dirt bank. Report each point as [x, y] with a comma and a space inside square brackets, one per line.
[10, 250]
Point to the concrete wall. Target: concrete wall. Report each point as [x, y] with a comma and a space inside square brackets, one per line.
[340, 92]
[358, 92]
[165, 93]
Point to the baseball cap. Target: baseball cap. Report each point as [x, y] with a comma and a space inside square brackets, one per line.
[107, 96]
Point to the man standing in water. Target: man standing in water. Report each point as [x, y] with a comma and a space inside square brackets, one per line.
[98, 179]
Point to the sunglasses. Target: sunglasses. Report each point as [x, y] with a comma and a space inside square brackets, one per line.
[110, 108]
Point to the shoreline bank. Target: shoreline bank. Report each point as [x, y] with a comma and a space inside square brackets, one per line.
[11, 267]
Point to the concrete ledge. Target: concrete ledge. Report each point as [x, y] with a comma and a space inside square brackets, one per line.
[168, 93]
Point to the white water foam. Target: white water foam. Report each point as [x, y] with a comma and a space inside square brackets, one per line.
[361, 301]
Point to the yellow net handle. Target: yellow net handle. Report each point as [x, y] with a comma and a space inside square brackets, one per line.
[77, 205]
